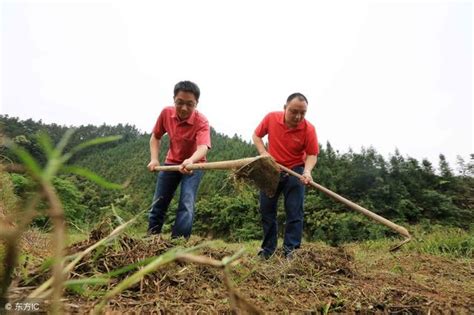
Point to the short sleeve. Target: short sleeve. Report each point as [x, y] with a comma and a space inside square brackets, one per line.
[262, 128]
[312, 146]
[159, 128]
[203, 134]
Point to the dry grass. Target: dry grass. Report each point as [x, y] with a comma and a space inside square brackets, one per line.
[320, 278]
[263, 173]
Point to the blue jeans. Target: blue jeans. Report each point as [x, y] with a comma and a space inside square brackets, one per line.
[166, 186]
[293, 192]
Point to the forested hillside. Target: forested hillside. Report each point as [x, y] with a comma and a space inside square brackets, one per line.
[399, 188]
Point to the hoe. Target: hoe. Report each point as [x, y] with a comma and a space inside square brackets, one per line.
[264, 173]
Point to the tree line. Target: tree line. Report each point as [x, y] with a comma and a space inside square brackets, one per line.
[400, 188]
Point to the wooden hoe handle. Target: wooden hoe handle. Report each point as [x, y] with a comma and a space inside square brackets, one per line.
[222, 165]
[400, 229]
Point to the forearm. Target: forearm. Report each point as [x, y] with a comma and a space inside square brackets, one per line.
[259, 144]
[310, 163]
[154, 148]
[200, 152]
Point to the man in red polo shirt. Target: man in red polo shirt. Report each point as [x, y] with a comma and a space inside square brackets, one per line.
[189, 137]
[293, 143]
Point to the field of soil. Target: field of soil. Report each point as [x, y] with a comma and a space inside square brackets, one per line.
[320, 278]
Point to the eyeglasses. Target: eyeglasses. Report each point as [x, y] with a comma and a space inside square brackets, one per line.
[180, 102]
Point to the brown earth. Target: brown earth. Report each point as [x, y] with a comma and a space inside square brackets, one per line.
[319, 278]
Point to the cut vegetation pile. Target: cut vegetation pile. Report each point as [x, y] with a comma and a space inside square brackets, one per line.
[319, 278]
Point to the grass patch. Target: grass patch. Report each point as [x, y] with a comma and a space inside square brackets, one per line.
[444, 241]
[439, 240]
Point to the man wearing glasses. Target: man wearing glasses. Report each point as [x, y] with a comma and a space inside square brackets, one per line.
[189, 134]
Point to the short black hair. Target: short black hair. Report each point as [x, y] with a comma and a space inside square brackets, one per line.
[187, 86]
[300, 96]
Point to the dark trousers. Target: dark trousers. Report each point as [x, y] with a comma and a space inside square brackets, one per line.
[166, 186]
[293, 193]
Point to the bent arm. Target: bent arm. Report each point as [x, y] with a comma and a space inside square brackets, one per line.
[309, 164]
[154, 152]
[200, 152]
[259, 145]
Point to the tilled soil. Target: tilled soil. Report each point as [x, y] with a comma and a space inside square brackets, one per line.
[319, 278]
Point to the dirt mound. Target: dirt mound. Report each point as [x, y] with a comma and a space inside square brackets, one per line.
[318, 278]
[177, 286]
[273, 285]
[302, 284]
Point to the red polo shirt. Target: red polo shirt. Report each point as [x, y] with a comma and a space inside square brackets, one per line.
[184, 135]
[288, 146]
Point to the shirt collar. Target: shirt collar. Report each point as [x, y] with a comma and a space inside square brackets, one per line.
[190, 121]
[281, 121]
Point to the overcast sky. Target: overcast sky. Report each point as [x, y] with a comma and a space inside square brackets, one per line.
[382, 74]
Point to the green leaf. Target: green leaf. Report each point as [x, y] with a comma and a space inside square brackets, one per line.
[89, 143]
[91, 176]
[130, 267]
[47, 264]
[64, 140]
[28, 161]
[80, 285]
[93, 280]
[95, 141]
[46, 144]
[119, 218]
[52, 168]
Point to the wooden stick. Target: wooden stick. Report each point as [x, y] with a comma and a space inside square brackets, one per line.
[222, 165]
[400, 229]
